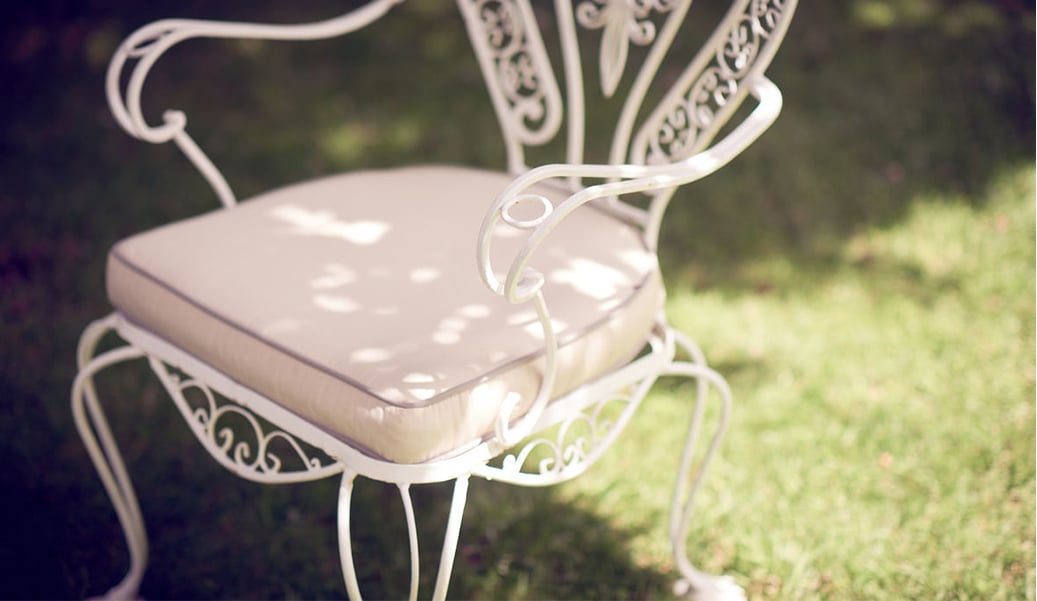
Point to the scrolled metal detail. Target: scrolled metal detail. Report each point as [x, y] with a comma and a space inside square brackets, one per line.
[543, 204]
[148, 40]
[694, 116]
[576, 444]
[252, 450]
[144, 46]
[519, 75]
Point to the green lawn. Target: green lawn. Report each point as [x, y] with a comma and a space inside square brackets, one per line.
[864, 276]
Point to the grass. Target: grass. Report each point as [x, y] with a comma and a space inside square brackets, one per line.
[888, 440]
[863, 276]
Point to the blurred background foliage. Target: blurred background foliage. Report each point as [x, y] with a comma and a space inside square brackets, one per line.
[896, 112]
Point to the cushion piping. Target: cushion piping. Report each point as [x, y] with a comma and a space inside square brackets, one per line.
[564, 340]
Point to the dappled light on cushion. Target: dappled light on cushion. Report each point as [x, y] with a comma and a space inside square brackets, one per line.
[307, 222]
[392, 318]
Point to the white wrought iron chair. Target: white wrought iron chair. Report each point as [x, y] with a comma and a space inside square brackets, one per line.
[426, 324]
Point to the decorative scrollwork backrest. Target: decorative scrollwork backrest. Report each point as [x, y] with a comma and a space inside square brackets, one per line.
[506, 35]
[712, 87]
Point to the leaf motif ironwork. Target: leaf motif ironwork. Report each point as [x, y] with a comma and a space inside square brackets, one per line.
[622, 22]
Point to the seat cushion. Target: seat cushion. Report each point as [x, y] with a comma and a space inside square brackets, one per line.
[355, 302]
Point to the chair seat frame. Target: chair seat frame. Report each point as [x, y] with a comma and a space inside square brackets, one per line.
[255, 458]
[279, 446]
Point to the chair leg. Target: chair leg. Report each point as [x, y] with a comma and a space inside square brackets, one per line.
[694, 583]
[100, 444]
[450, 538]
[453, 530]
[345, 539]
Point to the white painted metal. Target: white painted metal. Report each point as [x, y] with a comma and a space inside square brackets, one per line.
[89, 418]
[345, 540]
[254, 459]
[522, 282]
[517, 70]
[453, 532]
[412, 536]
[652, 155]
[450, 538]
[688, 481]
[147, 44]
[571, 456]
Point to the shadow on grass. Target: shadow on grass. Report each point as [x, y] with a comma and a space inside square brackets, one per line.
[880, 113]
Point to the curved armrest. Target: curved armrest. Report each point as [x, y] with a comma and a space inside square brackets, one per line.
[522, 283]
[147, 44]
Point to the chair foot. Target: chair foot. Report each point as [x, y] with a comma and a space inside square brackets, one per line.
[693, 583]
[100, 445]
[709, 588]
[127, 590]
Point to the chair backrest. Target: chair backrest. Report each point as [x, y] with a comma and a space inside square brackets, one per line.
[631, 39]
[664, 116]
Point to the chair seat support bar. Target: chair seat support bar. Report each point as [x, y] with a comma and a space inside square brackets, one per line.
[208, 380]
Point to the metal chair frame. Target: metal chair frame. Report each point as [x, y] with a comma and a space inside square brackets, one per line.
[673, 146]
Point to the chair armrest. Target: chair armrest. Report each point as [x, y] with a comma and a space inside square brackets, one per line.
[522, 282]
[150, 42]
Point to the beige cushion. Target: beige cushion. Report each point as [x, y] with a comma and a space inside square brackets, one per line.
[355, 302]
